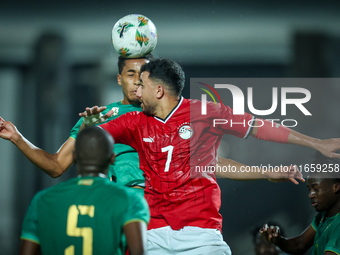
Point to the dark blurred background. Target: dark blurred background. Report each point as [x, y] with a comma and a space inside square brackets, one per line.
[56, 58]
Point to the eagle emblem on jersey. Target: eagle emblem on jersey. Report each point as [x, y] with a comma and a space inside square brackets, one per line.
[185, 132]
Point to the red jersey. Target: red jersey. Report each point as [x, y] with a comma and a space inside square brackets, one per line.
[169, 150]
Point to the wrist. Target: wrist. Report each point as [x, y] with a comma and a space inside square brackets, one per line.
[316, 144]
[278, 241]
[15, 138]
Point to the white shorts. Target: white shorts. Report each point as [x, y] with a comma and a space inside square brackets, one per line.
[186, 241]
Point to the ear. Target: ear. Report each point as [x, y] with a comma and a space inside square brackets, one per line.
[336, 188]
[159, 91]
[112, 159]
[119, 78]
[74, 157]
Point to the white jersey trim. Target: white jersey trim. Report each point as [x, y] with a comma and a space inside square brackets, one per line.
[171, 113]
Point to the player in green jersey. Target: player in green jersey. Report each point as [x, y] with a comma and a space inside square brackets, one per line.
[127, 160]
[87, 214]
[324, 232]
[125, 170]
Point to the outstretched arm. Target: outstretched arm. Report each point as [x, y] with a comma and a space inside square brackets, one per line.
[52, 164]
[227, 168]
[295, 245]
[264, 130]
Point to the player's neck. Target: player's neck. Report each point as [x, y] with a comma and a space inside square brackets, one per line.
[334, 210]
[125, 101]
[166, 106]
[90, 171]
[93, 175]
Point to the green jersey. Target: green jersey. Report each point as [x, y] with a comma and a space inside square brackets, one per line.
[327, 236]
[83, 216]
[125, 169]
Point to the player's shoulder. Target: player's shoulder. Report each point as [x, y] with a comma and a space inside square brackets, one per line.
[40, 194]
[204, 110]
[133, 116]
[127, 195]
[119, 108]
[199, 103]
[105, 183]
[111, 106]
[114, 104]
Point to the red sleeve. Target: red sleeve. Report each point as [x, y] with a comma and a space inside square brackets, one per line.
[225, 121]
[124, 128]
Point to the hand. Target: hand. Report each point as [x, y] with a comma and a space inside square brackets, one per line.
[286, 173]
[7, 129]
[93, 111]
[329, 147]
[93, 116]
[272, 234]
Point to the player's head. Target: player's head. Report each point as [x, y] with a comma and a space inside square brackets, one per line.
[324, 184]
[93, 151]
[160, 77]
[129, 76]
[261, 246]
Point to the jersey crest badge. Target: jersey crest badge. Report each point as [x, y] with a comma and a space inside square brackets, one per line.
[115, 111]
[185, 132]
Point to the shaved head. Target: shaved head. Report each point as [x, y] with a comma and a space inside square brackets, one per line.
[93, 150]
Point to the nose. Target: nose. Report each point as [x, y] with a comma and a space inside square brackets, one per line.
[311, 194]
[137, 80]
[139, 92]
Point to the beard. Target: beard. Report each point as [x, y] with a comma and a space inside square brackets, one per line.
[149, 109]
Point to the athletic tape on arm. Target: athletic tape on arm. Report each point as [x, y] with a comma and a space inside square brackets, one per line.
[271, 131]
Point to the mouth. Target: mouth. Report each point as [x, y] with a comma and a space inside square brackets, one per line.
[314, 204]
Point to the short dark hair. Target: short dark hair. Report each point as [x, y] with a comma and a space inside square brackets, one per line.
[168, 71]
[121, 61]
[325, 168]
[94, 147]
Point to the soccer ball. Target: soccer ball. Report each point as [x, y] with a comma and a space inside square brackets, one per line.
[134, 36]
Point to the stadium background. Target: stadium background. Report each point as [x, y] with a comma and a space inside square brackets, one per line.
[56, 58]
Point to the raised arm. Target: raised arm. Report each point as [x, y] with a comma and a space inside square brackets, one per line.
[52, 164]
[295, 245]
[230, 169]
[263, 130]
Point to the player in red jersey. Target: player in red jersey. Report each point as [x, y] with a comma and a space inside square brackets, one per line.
[171, 141]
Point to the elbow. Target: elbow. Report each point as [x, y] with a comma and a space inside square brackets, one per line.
[54, 173]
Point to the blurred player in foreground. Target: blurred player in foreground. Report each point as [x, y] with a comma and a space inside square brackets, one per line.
[170, 138]
[88, 213]
[324, 232]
